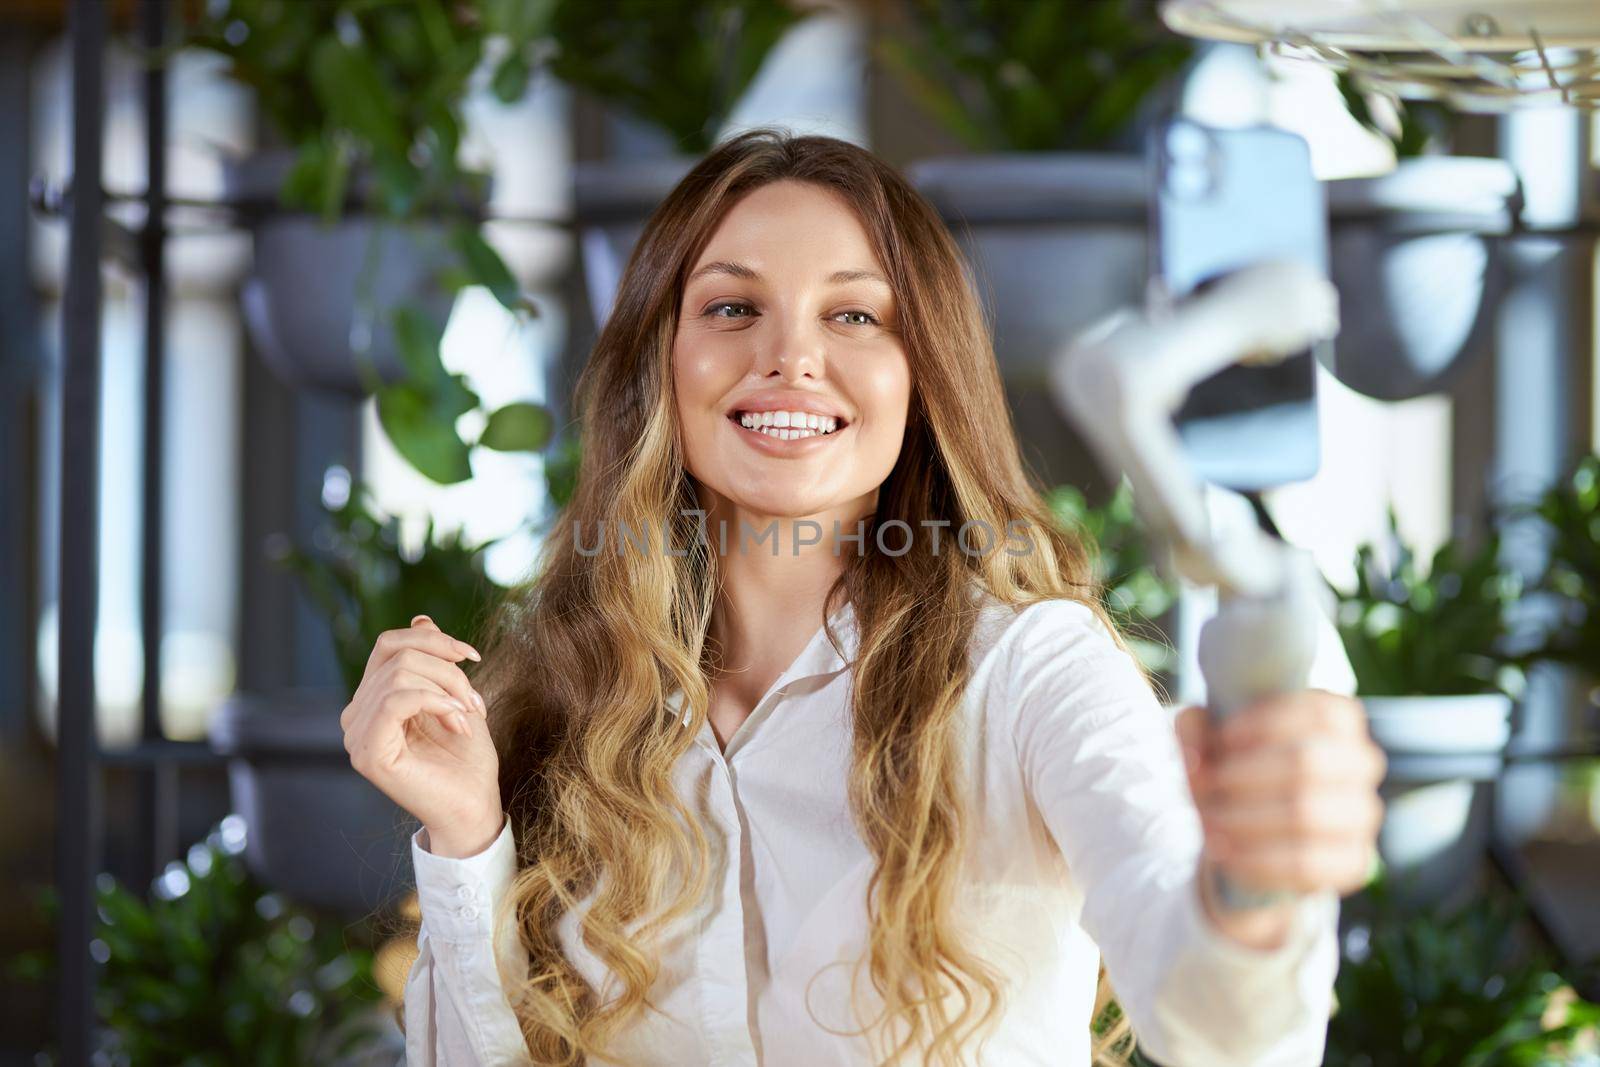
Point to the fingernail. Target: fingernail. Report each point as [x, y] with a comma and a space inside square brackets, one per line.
[470, 652]
[477, 696]
[461, 722]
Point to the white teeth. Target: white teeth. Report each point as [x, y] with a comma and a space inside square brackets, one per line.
[788, 425]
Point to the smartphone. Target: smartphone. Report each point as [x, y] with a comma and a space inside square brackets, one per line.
[1222, 199]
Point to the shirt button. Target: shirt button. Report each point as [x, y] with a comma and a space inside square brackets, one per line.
[464, 892]
[467, 912]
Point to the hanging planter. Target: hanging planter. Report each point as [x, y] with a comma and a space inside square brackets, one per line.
[1056, 241]
[319, 832]
[366, 223]
[1420, 271]
[611, 200]
[317, 296]
[1439, 750]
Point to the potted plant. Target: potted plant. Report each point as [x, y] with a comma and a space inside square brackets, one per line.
[214, 968]
[1414, 252]
[1050, 101]
[1436, 674]
[318, 830]
[365, 222]
[1451, 989]
[1569, 514]
[625, 54]
[1136, 595]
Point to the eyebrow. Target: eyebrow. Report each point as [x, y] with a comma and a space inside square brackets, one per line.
[739, 270]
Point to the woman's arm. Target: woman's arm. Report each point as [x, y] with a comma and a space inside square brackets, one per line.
[456, 1011]
[1100, 758]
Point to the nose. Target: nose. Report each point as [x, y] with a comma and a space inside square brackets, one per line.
[795, 351]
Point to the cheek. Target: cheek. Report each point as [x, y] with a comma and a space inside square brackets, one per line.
[692, 370]
[885, 389]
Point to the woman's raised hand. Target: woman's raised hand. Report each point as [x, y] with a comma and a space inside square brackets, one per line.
[417, 730]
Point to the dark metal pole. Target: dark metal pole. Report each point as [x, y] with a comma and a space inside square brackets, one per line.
[157, 800]
[78, 825]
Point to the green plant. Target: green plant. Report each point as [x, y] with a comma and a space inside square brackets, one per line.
[1006, 76]
[1450, 990]
[1136, 594]
[368, 95]
[364, 584]
[1444, 633]
[1570, 513]
[1414, 126]
[213, 970]
[680, 65]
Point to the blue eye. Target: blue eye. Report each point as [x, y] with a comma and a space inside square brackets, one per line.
[871, 318]
[725, 304]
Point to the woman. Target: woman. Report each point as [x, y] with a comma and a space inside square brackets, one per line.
[772, 668]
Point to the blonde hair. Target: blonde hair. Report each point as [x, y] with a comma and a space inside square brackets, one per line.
[579, 661]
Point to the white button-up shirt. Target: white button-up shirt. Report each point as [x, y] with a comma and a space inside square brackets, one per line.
[1085, 840]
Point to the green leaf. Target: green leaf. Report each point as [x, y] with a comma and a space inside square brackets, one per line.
[519, 20]
[418, 434]
[510, 80]
[520, 427]
[418, 338]
[561, 465]
[353, 91]
[486, 266]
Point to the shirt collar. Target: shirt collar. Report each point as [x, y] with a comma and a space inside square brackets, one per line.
[818, 657]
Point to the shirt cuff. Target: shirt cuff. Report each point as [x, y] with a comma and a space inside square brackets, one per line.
[1314, 917]
[457, 896]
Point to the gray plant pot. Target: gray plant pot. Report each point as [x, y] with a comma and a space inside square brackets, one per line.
[1440, 749]
[1419, 271]
[318, 295]
[611, 201]
[317, 831]
[1056, 240]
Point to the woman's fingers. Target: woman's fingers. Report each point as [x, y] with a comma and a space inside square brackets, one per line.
[447, 676]
[1271, 768]
[391, 713]
[424, 636]
[1330, 814]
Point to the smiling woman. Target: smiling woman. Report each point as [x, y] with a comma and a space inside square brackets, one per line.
[816, 336]
[830, 805]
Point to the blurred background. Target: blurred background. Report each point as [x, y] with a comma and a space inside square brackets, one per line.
[298, 366]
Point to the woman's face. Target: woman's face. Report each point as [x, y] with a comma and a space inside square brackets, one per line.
[787, 313]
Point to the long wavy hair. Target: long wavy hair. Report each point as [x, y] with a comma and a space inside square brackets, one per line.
[579, 660]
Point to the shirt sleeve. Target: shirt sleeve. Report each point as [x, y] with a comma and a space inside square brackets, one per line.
[1101, 761]
[456, 1010]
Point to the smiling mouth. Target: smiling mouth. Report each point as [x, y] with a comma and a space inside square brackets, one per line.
[753, 422]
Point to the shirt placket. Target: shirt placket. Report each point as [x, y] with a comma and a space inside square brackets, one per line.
[724, 978]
